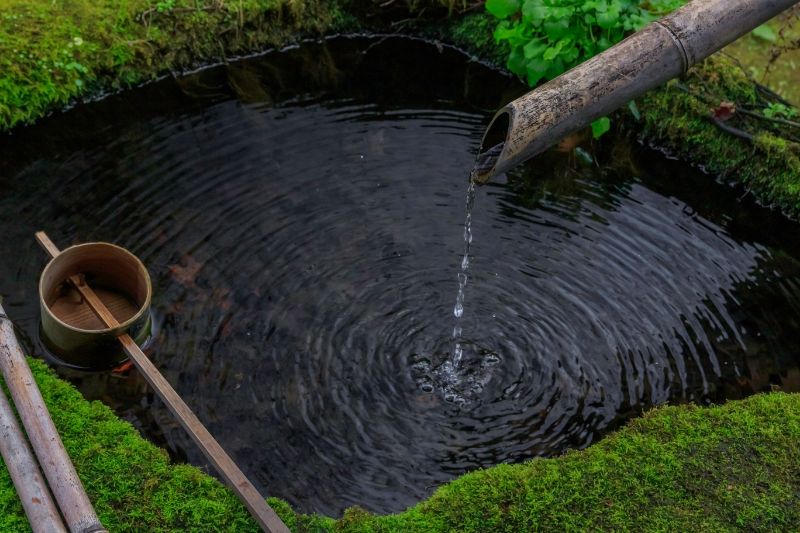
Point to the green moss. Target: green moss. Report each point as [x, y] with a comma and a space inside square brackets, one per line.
[52, 52]
[130, 481]
[680, 468]
[678, 116]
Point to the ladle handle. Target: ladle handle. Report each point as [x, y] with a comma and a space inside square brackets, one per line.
[236, 480]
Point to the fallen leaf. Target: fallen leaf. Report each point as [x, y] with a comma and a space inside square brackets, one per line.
[724, 111]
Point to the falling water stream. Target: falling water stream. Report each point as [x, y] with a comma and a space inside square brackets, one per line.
[458, 310]
[483, 163]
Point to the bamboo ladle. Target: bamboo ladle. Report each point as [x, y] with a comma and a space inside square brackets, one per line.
[236, 480]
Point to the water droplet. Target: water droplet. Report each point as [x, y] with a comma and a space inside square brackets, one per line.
[458, 354]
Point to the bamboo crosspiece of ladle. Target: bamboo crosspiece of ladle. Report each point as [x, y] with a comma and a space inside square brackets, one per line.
[236, 480]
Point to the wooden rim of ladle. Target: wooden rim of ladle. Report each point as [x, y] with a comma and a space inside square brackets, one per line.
[141, 270]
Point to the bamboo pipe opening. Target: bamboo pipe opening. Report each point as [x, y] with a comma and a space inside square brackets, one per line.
[493, 147]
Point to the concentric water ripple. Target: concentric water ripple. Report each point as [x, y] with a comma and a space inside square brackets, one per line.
[301, 217]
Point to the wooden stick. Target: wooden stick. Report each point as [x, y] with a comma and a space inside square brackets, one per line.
[39, 506]
[236, 480]
[58, 469]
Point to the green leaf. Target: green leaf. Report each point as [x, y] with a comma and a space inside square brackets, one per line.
[600, 127]
[556, 29]
[535, 49]
[502, 8]
[634, 109]
[556, 68]
[570, 53]
[774, 110]
[552, 52]
[515, 34]
[534, 12]
[765, 33]
[536, 70]
[608, 19]
[516, 61]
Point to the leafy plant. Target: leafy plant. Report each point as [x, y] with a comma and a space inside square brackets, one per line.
[164, 6]
[600, 127]
[548, 37]
[777, 110]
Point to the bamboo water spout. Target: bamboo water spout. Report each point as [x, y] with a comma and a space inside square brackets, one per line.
[659, 52]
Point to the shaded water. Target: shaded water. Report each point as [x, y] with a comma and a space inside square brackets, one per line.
[301, 215]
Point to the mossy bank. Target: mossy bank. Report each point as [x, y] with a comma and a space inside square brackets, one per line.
[677, 468]
[55, 53]
[723, 468]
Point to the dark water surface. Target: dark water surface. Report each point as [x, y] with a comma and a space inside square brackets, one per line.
[301, 215]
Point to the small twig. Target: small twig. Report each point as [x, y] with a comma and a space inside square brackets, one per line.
[401, 23]
[770, 119]
[730, 129]
[772, 94]
[472, 7]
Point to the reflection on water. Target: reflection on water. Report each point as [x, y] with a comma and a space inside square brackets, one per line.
[301, 215]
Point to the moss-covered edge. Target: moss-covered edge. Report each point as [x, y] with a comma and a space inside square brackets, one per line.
[53, 53]
[130, 481]
[761, 156]
[730, 467]
[683, 468]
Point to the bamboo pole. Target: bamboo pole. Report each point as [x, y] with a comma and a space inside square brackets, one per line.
[39, 506]
[58, 469]
[236, 480]
[655, 54]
